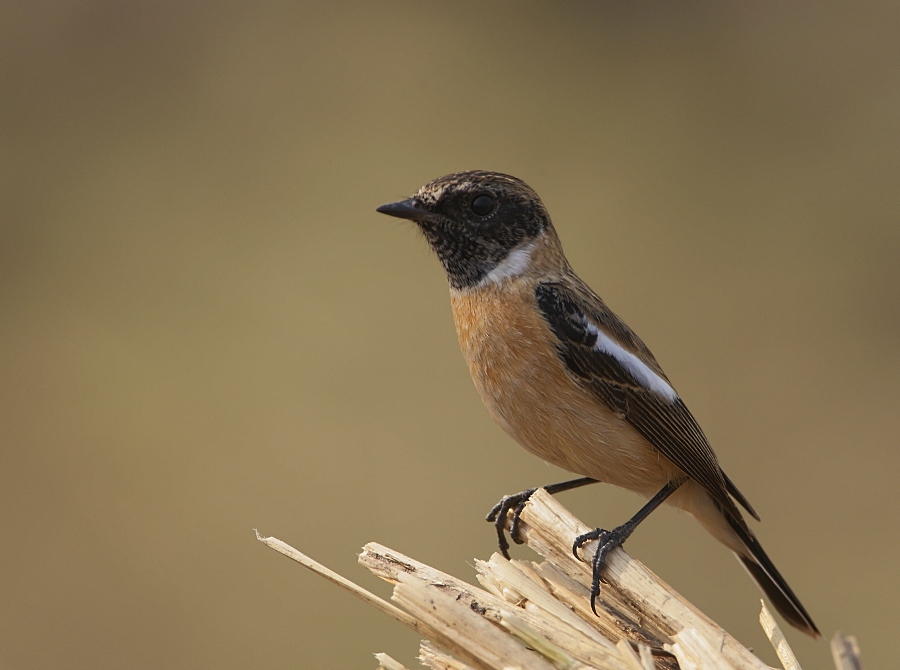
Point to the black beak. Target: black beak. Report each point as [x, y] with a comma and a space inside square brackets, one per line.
[405, 209]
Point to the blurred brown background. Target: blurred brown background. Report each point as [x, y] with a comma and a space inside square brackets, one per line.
[206, 328]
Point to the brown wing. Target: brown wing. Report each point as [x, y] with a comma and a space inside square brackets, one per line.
[633, 387]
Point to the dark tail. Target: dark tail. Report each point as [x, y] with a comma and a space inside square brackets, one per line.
[772, 583]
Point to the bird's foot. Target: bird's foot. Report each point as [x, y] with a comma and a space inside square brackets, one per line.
[497, 516]
[517, 503]
[607, 540]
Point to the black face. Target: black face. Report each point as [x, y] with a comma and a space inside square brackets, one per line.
[473, 220]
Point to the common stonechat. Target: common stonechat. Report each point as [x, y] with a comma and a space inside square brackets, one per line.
[567, 379]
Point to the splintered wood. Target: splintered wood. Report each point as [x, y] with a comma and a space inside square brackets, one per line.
[537, 615]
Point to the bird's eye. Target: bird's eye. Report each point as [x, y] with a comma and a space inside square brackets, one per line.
[483, 205]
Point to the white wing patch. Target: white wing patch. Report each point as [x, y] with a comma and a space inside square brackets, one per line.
[515, 264]
[635, 366]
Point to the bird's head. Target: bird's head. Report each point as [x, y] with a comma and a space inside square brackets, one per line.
[476, 222]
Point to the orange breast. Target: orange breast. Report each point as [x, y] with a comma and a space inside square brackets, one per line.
[511, 353]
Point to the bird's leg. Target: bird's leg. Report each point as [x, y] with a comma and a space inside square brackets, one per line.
[516, 502]
[610, 539]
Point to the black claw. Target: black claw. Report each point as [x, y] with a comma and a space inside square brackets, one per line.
[517, 514]
[502, 544]
[498, 516]
[581, 540]
[607, 541]
[517, 503]
[596, 573]
[495, 510]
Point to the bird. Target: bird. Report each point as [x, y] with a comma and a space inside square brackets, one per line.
[567, 379]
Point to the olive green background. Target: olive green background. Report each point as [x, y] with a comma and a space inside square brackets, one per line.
[206, 328]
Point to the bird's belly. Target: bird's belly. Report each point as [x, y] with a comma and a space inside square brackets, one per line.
[512, 357]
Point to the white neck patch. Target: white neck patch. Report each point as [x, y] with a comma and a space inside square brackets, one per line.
[645, 376]
[515, 264]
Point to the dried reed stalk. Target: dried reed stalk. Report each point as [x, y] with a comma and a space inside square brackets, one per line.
[537, 616]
